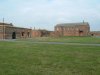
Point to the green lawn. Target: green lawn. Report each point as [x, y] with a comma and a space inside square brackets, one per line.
[27, 58]
[67, 39]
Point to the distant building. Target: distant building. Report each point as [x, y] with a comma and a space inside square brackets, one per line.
[95, 33]
[8, 31]
[72, 29]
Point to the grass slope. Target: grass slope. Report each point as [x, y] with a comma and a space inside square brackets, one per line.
[26, 58]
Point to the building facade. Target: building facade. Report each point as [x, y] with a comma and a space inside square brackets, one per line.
[8, 31]
[72, 29]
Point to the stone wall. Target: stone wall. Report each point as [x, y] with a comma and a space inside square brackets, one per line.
[40, 33]
[11, 32]
[36, 33]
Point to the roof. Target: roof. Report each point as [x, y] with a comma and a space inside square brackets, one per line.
[9, 24]
[72, 24]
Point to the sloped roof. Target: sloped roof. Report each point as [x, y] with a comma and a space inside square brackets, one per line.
[72, 24]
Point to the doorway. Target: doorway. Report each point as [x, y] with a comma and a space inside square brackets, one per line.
[14, 35]
[80, 33]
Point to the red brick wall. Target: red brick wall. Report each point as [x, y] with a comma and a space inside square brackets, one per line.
[36, 33]
[81, 30]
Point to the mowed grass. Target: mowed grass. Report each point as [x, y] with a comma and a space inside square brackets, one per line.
[90, 40]
[27, 58]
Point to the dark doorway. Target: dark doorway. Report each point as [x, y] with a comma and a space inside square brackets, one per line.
[23, 33]
[92, 34]
[14, 35]
[28, 34]
[80, 33]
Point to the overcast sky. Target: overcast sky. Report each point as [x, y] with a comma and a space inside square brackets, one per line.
[45, 14]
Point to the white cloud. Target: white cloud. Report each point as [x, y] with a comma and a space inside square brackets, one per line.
[47, 13]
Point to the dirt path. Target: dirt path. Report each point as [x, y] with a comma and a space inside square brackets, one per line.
[68, 43]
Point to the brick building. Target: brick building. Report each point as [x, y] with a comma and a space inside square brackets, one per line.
[95, 33]
[72, 29]
[8, 31]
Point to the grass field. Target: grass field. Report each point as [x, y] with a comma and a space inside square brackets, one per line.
[27, 58]
[67, 39]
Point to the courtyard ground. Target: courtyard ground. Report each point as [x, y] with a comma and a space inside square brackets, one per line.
[24, 57]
